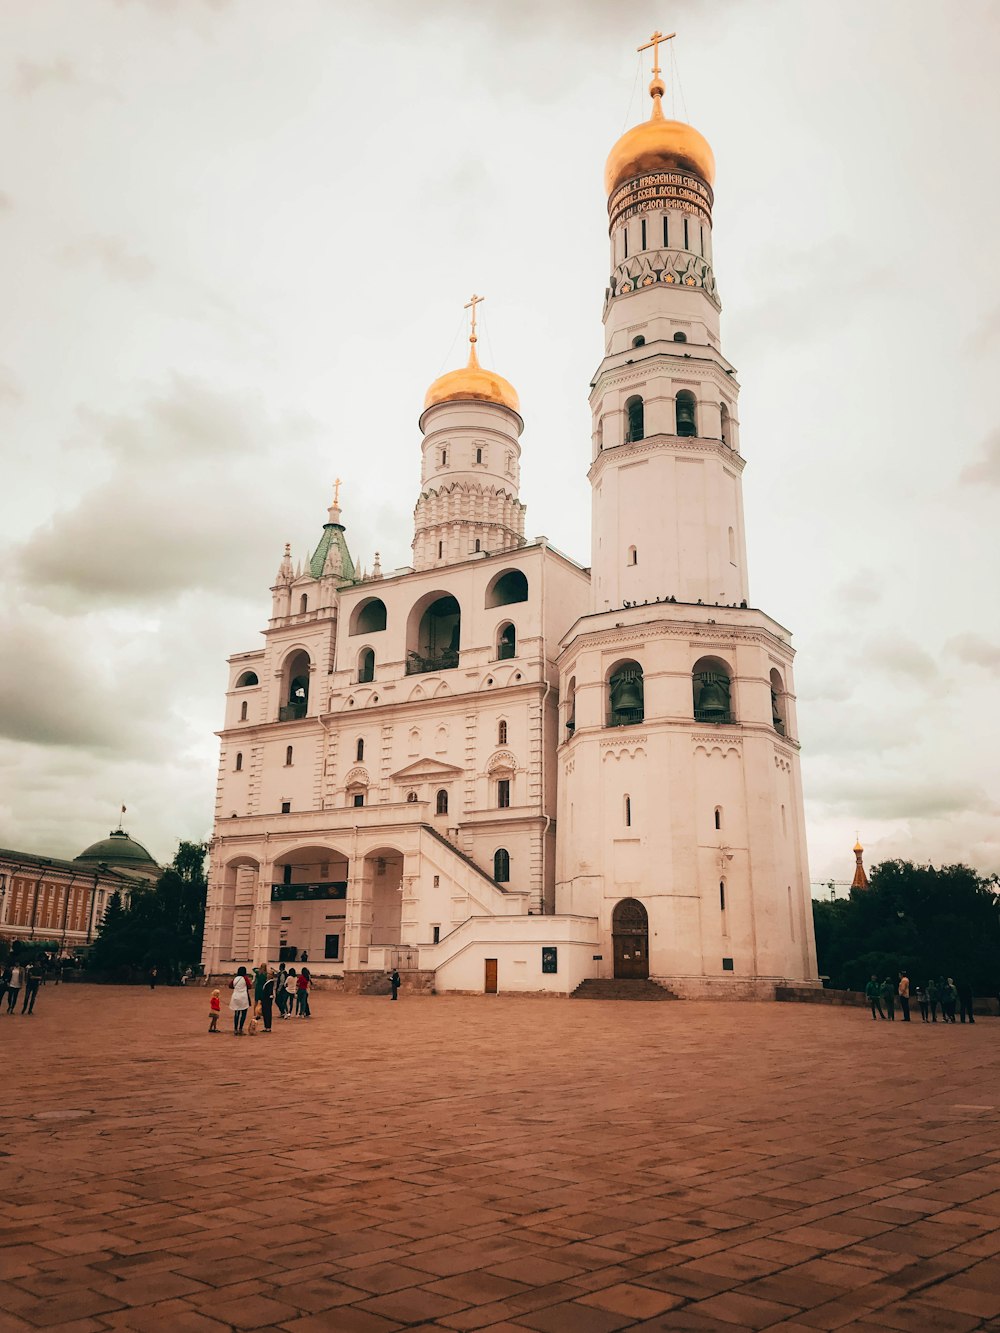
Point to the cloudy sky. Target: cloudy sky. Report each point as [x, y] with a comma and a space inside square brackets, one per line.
[235, 241]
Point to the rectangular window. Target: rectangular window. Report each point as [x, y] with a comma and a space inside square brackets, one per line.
[332, 949]
[625, 234]
[503, 793]
[286, 807]
[701, 240]
[440, 549]
[727, 965]
[644, 233]
[286, 874]
[359, 798]
[437, 934]
[666, 229]
[550, 959]
[686, 244]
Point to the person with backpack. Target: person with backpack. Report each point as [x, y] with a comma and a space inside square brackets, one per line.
[394, 982]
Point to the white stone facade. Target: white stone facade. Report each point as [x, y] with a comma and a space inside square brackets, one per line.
[504, 771]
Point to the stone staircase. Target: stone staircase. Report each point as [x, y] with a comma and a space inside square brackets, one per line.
[620, 989]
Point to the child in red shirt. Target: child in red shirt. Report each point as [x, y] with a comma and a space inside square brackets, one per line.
[214, 1009]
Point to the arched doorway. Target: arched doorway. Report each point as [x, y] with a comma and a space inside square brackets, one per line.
[630, 935]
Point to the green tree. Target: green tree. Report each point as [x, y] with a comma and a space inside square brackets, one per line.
[928, 920]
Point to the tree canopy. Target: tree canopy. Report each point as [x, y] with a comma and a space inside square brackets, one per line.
[161, 927]
[928, 921]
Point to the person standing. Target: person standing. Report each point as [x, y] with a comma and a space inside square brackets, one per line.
[267, 1001]
[394, 982]
[152, 978]
[214, 1010]
[14, 986]
[949, 999]
[965, 1001]
[933, 998]
[280, 995]
[889, 998]
[921, 996]
[302, 988]
[904, 995]
[239, 1001]
[32, 981]
[4, 979]
[873, 991]
[290, 984]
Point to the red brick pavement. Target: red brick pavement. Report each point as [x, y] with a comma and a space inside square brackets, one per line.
[496, 1163]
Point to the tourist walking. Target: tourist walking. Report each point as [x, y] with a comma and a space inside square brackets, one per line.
[290, 984]
[14, 986]
[152, 978]
[302, 988]
[949, 999]
[267, 1001]
[872, 991]
[394, 982]
[903, 990]
[933, 998]
[239, 1001]
[921, 998]
[889, 999]
[32, 981]
[280, 996]
[214, 1010]
[965, 1001]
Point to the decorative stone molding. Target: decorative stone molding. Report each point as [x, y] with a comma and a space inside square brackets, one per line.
[678, 268]
[620, 453]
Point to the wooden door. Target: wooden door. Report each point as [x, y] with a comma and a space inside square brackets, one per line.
[491, 976]
[630, 936]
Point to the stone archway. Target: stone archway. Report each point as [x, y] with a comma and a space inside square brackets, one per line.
[630, 938]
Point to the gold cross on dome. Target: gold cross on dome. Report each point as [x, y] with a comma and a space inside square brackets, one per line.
[336, 491]
[471, 305]
[654, 42]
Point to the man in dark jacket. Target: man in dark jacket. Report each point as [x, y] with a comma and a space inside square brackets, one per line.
[965, 1001]
[873, 990]
[394, 982]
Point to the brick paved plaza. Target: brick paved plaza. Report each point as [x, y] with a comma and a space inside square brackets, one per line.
[494, 1163]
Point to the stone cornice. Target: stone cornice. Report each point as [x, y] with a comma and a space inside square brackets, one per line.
[716, 635]
[620, 453]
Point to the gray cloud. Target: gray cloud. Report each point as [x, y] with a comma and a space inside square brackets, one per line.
[987, 470]
[32, 77]
[888, 796]
[975, 650]
[113, 256]
[865, 587]
[902, 659]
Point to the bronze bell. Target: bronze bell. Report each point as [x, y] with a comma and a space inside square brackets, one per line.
[685, 416]
[776, 718]
[713, 702]
[626, 692]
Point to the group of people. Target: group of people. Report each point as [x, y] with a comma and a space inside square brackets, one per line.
[263, 991]
[943, 993]
[16, 977]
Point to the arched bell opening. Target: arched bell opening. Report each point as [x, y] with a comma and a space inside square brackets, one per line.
[778, 710]
[712, 690]
[507, 642]
[630, 937]
[295, 687]
[434, 634]
[635, 420]
[687, 413]
[626, 701]
[366, 666]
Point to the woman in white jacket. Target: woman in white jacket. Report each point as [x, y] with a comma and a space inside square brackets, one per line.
[239, 1001]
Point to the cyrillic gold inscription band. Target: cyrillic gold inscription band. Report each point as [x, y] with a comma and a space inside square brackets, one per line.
[661, 190]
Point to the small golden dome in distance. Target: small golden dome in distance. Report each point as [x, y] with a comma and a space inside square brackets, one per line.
[474, 383]
[858, 847]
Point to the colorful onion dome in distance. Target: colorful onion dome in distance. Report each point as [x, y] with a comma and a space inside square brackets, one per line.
[658, 144]
[472, 382]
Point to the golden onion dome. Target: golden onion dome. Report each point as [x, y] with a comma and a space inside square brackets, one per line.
[858, 847]
[472, 382]
[658, 144]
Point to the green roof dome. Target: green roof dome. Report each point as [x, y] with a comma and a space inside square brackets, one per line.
[118, 850]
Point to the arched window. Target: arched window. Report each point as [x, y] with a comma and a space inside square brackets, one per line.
[507, 588]
[635, 420]
[366, 665]
[640, 341]
[434, 634]
[626, 704]
[501, 865]
[778, 703]
[243, 711]
[296, 689]
[732, 546]
[288, 756]
[718, 816]
[687, 421]
[571, 705]
[246, 680]
[478, 546]
[479, 455]
[502, 733]
[369, 616]
[722, 895]
[628, 811]
[441, 804]
[444, 458]
[712, 690]
[303, 604]
[239, 763]
[507, 642]
[359, 751]
[724, 423]
[680, 337]
[633, 556]
[411, 798]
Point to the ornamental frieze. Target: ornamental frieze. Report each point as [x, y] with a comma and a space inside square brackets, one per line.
[673, 267]
[662, 191]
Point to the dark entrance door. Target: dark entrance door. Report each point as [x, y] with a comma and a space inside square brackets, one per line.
[491, 976]
[630, 934]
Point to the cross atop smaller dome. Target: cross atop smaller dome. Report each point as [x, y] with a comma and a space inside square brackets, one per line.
[472, 381]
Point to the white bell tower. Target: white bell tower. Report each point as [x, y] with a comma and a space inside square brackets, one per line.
[678, 715]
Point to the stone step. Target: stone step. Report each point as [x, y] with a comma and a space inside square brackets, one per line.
[621, 989]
